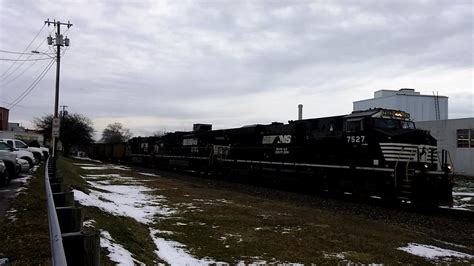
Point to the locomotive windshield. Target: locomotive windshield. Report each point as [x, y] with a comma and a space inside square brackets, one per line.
[393, 124]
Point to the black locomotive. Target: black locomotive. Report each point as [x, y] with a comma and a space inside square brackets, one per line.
[377, 153]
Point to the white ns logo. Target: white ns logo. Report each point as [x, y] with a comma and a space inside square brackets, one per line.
[276, 139]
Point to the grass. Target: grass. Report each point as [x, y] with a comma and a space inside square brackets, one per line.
[131, 234]
[248, 227]
[231, 226]
[25, 241]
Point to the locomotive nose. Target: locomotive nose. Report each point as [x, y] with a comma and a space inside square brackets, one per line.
[413, 136]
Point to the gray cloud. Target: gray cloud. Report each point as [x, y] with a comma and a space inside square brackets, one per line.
[231, 62]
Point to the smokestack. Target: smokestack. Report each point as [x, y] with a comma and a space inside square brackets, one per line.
[300, 111]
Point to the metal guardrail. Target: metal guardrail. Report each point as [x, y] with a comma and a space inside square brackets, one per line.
[58, 256]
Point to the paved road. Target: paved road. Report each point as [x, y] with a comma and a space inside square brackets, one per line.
[10, 192]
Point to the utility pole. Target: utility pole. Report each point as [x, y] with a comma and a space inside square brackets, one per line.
[59, 41]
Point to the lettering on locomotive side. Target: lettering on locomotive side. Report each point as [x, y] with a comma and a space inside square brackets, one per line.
[355, 139]
[276, 139]
[190, 142]
[282, 151]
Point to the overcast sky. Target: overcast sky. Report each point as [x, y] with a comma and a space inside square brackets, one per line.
[164, 65]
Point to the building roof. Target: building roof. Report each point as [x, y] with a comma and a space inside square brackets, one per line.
[380, 94]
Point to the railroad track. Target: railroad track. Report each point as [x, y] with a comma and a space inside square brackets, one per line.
[456, 212]
[446, 211]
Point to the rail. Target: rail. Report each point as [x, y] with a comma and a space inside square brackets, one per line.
[58, 256]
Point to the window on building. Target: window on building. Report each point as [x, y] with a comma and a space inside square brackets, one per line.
[472, 137]
[463, 137]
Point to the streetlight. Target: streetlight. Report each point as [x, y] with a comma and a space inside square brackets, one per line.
[38, 52]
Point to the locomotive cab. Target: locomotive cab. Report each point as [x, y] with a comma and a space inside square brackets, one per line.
[395, 144]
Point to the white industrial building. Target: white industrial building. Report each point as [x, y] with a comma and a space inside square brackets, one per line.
[457, 137]
[430, 112]
[420, 107]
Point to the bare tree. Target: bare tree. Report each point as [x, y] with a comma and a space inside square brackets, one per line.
[75, 129]
[115, 133]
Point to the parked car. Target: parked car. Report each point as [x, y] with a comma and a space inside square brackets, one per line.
[9, 160]
[23, 165]
[36, 144]
[20, 145]
[22, 154]
[4, 176]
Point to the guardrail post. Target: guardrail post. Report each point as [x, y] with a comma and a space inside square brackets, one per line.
[70, 219]
[82, 248]
[70, 245]
[64, 199]
[58, 256]
[58, 187]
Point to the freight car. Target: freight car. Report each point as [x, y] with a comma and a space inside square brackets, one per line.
[377, 152]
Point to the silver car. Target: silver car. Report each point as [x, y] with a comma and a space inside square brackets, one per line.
[4, 176]
[23, 165]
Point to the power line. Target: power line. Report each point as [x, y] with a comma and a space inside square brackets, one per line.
[24, 60]
[26, 90]
[26, 49]
[11, 52]
[17, 76]
[19, 65]
[18, 105]
[31, 87]
[6, 82]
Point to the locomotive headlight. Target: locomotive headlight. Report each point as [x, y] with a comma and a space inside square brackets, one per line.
[449, 167]
[426, 166]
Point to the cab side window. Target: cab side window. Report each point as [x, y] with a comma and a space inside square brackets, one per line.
[354, 125]
[9, 142]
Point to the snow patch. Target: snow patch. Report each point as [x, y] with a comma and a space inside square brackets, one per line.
[10, 215]
[119, 167]
[126, 200]
[86, 159]
[85, 164]
[23, 180]
[117, 252]
[469, 194]
[432, 252]
[101, 176]
[88, 223]
[172, 252]
[164, 232]
[341, 256]
[148, 174]
[94, 167]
